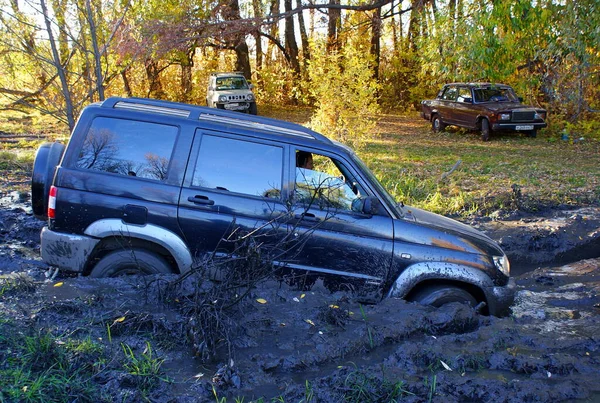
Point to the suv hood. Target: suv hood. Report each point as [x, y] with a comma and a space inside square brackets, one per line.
[444, 232]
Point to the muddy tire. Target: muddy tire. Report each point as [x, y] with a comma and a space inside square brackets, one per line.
[130, 261]
[438, 295]
[253, 110]
[437, 125]
[485, 130]
[47, 158]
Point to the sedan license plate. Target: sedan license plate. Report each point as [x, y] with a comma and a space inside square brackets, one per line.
[525, 127]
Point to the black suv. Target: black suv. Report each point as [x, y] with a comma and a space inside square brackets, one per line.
[147, 186]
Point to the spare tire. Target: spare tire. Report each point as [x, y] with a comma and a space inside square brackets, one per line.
[46, 159]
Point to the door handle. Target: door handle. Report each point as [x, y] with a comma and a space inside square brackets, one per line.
[307, 217]
[199, 199]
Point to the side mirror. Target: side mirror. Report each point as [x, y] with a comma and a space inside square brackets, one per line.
[211, 88]
[251, 86]
[371, 205]
[520, 99]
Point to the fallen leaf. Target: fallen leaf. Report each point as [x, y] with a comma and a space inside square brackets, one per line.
[59, 284]
[334, 307]
[302, 296]
[199, 375]
[310, 322]
[296, 299]
[119, 320]
[549, 374]
[261, 300]
[446, 366]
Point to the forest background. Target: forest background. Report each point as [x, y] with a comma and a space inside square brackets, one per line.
[345, 58]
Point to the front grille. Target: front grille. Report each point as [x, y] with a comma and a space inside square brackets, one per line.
[236, 98]
[523, 116]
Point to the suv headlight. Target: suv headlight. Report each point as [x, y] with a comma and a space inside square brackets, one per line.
[502, 264]
[504, 116]
[250, 97]
[222, 98]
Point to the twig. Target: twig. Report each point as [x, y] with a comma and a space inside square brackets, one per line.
[446, 174]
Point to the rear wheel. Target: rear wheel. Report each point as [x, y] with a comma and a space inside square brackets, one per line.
[438, 295]
[437, 125]
[485, 130]
[130, 261]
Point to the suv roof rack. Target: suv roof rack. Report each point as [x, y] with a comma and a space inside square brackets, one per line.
[187, 111]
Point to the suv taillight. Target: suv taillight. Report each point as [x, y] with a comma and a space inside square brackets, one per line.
[52, 202]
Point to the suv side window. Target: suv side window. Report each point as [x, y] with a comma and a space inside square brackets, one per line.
[321, 182]
[239, 166]
[128, 147]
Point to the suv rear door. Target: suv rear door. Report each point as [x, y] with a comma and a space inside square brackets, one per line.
[233, 187]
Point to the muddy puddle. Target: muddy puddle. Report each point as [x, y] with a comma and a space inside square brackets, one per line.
[323, 347]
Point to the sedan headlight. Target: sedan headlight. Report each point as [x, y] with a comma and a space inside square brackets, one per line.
[504, 116]
[502, 264]
[222, 98]
[250, 97]
[540, 115]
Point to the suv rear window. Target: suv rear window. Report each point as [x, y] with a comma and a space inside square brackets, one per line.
[128, 147]
[239, 166]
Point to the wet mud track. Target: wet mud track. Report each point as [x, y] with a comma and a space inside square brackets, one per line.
[324, 347]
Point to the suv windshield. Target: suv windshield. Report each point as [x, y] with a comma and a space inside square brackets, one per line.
[495, 95]
[231, 83]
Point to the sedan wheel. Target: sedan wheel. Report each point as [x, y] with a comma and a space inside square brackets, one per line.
[437, 125]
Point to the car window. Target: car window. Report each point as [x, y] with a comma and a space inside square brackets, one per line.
[464, 95]
[231, 83]
[239, 166]
[320, 181]
[450, 94]
[495, 95]
[128, 147]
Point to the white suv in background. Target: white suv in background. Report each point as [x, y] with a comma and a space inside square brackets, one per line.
[230, 91]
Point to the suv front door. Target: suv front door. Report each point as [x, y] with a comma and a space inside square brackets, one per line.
[334, 237]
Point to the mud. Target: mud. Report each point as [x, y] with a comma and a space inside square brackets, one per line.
[324, 347]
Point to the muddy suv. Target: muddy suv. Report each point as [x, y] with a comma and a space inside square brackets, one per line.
[230, 91]
[147, 186]
[482, 106]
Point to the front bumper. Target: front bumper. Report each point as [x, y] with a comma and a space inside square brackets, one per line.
[501, 298]
[516, 127]
[234, 106]
[66, 251]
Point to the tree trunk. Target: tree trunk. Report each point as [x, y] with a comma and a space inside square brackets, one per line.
[126, 84]
[335, 16]
[414, 27]
[239, 42]
[303, 35]
[97, 56]
[155, 89]
[290, 38]
[59, 68]
[375, 41]
[258, 14]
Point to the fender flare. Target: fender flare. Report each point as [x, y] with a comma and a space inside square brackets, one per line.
[113, 227]
[419, 272]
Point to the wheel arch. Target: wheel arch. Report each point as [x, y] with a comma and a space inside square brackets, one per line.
[115, 234]
[421, 275]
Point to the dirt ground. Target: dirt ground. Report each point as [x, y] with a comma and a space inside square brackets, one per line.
[324, 347]
[314, 346]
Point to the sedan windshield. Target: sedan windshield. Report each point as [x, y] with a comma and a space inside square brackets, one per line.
[495, 95]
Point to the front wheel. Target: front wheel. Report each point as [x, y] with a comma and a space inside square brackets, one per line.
[438, 295]
[253, 110]
[485, 130]
[130, 261]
